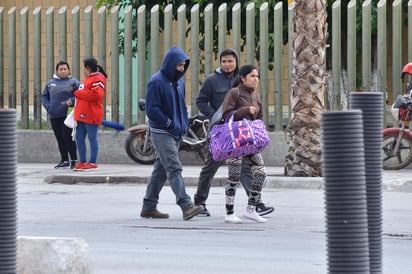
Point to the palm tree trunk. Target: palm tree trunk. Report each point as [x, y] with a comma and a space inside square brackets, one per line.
[308, 89]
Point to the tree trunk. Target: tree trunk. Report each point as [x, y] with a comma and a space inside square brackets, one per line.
[308, 89]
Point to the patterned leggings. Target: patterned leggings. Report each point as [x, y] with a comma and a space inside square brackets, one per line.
[258, 173]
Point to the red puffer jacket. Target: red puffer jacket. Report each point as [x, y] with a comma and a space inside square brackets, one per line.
[89, 99]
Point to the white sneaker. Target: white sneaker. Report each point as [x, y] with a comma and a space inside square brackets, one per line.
[251, 214]
[232, 218]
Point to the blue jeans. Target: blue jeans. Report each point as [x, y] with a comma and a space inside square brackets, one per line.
[90, 130]
[167, 166]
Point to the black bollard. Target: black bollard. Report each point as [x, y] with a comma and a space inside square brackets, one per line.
[8, 206]
[345, 192]
[371, 105]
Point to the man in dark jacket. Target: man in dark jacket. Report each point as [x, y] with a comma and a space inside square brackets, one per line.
[168, 121]
[211, 96]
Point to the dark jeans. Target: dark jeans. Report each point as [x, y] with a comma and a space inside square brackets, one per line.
[167, 166]
[63, 136]
[208, 173]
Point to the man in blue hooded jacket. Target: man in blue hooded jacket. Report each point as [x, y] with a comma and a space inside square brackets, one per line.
[168, 121]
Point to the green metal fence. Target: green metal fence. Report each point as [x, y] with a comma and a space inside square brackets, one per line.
[84, 36]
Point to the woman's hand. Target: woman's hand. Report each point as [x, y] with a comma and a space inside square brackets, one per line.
[252, 110]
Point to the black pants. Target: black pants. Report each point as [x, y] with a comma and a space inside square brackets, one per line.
[208, 173]
[64, 139]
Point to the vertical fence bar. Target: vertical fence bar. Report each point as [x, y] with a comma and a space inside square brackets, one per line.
[194, 63]
[12, 57]
[381, 70]
[263, 59]
[168, 33]
[222, 26]
[291, 15]
[114, 20]
[366, 45]
[1, 59]
[208, 41]
[236, 23]
[181, 27]
[336, 57]
[24, 67]
[76, 42]
[250, 33]
[409, 29]
[128, 68]
[88, 31]
[101, 47]
[351, 45]
[49, 47]
[396, 48]
[278, 65]
[154, 39]
[141, 57]
[37, 84]
[63, 33]
[49, 42]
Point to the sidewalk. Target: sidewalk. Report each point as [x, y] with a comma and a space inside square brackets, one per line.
[398, 180]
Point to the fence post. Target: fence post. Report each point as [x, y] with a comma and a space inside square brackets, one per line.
[194, 45]
[128, 68]
[181, 27]
[366, 45]
[409, 29]
[141, 57]
[396, 48]
[236, 23]
[76, 42]
[88, 31]
[351, 46]
[63, 33]
[114, 16]
[208, 60]
[336, 57]
[24, 67]
[278, 65]
[101, 47]
[168, 33]
[222, 26]
[12, 58]
[382, 54]
[263, 60]
[154, 39]
[49, 42]
[291, 15]
[37, 83]
[250, 33]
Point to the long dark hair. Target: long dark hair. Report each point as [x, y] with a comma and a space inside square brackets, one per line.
[243, 71]
[92, 64]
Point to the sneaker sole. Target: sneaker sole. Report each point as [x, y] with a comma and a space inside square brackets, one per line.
[266, 212]
[233, 222]
[253, 219]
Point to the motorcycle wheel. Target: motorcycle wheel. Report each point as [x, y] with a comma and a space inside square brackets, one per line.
[134, 149]
[400, 160]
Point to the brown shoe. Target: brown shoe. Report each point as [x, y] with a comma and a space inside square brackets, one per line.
[192, 212]
[155, 214]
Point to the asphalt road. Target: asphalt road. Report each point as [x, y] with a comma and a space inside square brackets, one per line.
[106, 216]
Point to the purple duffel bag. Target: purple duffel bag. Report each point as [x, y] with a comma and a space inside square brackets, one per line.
[237, 138]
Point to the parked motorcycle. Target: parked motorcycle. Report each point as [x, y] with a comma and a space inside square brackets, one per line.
[397, 141]
[140, 149]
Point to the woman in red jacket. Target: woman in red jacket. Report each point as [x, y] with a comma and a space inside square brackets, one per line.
[89, 112]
